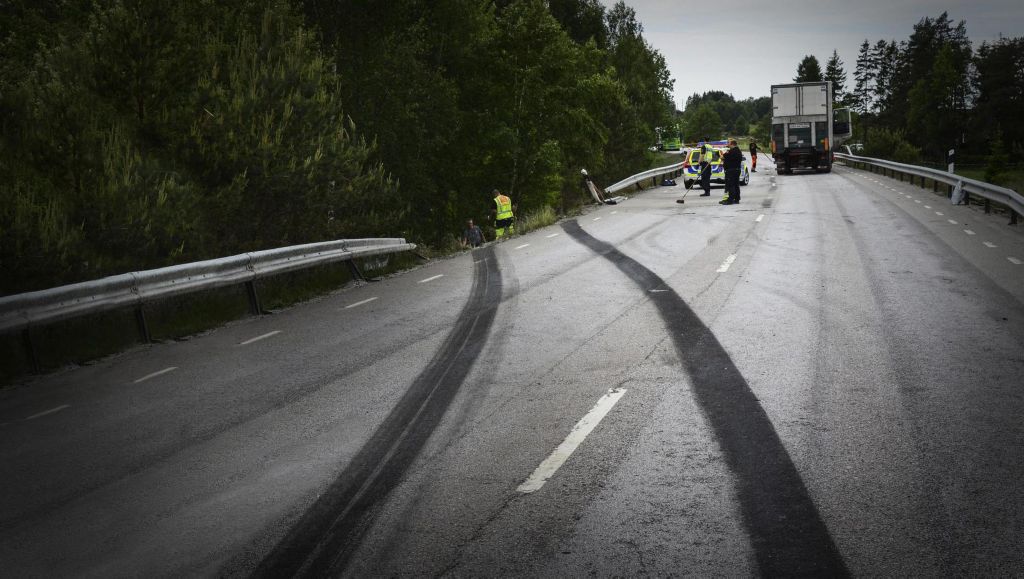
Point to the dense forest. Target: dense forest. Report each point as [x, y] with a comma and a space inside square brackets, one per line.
[919, 97]
[137, 134]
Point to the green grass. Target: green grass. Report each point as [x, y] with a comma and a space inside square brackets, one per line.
[1013, 179]
[541, 218]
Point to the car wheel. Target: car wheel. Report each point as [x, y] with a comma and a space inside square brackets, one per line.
[746, 179]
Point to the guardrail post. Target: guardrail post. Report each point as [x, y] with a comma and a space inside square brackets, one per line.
[988, 206]
[354, 270]
[1013, 217]
[254, 298]
[30, 349]
[140, 319]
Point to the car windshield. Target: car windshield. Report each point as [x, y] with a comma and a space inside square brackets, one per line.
[715, 156]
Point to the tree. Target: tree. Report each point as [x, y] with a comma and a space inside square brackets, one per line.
[999, 84]
[864, 76]
[835, 74]
[702, 122]
[808, 70]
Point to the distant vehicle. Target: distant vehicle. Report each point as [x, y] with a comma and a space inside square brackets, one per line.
[673, 144]
[691, 165]
[805, 128]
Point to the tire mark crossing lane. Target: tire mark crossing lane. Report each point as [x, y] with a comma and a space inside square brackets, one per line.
[322, 542]
[785, 528]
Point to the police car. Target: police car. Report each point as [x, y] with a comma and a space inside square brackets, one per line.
[691, 165]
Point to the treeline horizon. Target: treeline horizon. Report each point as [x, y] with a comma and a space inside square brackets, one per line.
[917, 98]
[139, 134]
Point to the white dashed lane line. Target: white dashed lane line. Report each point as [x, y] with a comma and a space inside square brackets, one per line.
[953, 222]
[927, 206]
[258, 338]
[432, 278]
[552, 235]
[597, 219]
[990, 244]
[968, 232]
[759, 218]
[614, 212]
[939, 213]
[47, 412]
[523, 245]
[725, 264]
[155, 374]
[357, 304]
[1014, 260]
[584, 427]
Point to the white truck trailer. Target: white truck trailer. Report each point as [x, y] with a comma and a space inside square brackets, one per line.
[805, 128]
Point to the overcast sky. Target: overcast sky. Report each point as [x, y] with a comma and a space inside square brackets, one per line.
[758, 43]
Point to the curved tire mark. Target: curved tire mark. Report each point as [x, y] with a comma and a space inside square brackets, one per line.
[325, 537]
[786, 530]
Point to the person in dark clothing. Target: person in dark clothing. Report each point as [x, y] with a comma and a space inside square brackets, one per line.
[753, 157]
[472, 236]
[732, 162]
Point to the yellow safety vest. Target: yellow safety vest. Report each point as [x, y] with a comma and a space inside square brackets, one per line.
[504, 207]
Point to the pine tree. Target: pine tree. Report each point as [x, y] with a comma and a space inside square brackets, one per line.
[835, 74]
[864, 77]
[809, 70]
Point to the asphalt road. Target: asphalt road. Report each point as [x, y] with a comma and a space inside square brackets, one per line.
[826, 379]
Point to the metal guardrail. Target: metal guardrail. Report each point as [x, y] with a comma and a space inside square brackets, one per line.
[994, 193]
[21, 311]
[653, 174]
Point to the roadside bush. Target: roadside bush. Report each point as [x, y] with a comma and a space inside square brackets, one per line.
[884, 143]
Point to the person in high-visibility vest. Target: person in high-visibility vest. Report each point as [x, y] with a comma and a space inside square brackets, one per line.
[503, 218]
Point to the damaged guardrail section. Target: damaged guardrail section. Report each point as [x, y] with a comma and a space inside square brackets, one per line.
[653, 174]
[991, 193]
[132, 290]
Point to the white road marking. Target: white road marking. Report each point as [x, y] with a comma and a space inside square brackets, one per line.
[258, 338]
[431, 278]
[990, 244]
[968, 232]
[939, 213]
[357, 304]
[552, 235]
[1015, 261]
[155, 374]
[50, 411]
[614, 212]
[917, 200]
[597, 219]
[927, 206]
[583, 428]
[657, 291]
[523, 245]
[951, 221]
[725, 264]
[759, 218]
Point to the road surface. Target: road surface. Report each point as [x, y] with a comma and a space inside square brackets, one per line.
[825, 379]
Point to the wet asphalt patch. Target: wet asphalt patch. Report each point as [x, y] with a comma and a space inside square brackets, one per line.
[785, 528]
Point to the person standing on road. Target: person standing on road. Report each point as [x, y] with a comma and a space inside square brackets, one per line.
[753, 156]
[503, 218]
[472, 236]
[732, 162]
[705, 167]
